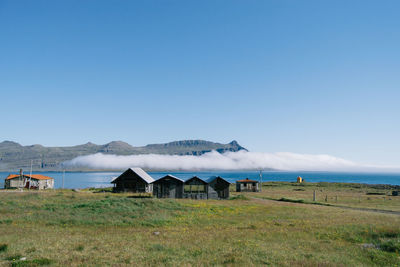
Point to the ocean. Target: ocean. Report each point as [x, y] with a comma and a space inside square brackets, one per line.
[103, 179]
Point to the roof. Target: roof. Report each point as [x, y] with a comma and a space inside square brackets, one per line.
[171, 176]
[139, 172]
[212, 178]
[195, 177]
[34, 176]
[247, 181]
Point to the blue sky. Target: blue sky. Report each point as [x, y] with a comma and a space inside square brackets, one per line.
[297, 76]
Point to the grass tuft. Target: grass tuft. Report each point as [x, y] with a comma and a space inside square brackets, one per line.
[239, 197]
[80, 248]
[13, 257]
[3, 247]
[32, 263]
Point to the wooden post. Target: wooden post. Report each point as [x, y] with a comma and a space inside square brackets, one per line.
[326, 198]
[336, 198]
[315, 196]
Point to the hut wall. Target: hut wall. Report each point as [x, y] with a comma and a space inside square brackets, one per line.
[212, 194]
[45, 184]
[132, 183]
[168, 189]
[195, 189]
[218, 189]
[14, 183]
[247, 187]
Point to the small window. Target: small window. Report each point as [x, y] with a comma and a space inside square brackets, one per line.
[186, 188]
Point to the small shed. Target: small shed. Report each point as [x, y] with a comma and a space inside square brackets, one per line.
[133, 180]
[168, 186]
[218, 187]
[34, 181]
[195, 188]
[247, 185]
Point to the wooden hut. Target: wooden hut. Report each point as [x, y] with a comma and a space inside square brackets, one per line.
[195, 188]
[218, 188]
[247, 185]
[34, 181]
[168, 186]
[133, 180]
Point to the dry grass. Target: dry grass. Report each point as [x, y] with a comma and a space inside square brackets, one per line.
[71, 229]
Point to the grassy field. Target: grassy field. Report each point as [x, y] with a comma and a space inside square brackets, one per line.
[65, 228]
[337, 194]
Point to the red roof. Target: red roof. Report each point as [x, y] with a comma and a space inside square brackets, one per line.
[247, 181]
[34, 176]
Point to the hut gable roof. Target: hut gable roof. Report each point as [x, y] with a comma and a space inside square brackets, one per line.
[195, 178]
[34, 176]
[169, 176]
[139, 172]
[212, 178]
[247, 180]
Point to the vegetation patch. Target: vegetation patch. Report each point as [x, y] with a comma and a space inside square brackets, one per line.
[239, 197]
[291, 200]
[80, 248]
[13, 257]
[3, 247]
[376, 193]
[32, 263]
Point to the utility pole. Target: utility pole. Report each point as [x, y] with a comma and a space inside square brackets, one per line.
[20, 178]
[63, 179]
[30, 178]
[260, 180]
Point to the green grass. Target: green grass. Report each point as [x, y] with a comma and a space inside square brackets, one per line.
[64, 228]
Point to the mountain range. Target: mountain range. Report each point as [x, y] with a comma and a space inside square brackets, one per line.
[14, 156]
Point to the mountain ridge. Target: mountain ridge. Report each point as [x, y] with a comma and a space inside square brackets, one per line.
[14, 155]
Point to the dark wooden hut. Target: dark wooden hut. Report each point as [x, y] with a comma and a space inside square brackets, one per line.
[168, 186]
[247, 185]
[195, 188]
[218, 187]
[133, 180]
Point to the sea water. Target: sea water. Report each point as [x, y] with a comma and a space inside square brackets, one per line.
[103, 179]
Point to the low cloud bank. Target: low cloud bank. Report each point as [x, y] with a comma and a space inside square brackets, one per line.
[241, 160]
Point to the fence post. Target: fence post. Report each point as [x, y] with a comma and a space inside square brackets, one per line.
[315, 196]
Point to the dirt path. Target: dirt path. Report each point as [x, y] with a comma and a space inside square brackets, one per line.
[284, 203]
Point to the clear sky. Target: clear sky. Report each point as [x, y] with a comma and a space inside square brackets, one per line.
[297, 76]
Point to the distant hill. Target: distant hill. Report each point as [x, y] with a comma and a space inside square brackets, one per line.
[14, 156]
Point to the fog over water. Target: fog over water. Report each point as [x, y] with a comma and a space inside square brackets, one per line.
[241, 160]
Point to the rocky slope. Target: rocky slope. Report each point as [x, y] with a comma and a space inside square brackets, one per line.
[14, 156]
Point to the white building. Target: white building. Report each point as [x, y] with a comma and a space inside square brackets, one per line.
[36, 181]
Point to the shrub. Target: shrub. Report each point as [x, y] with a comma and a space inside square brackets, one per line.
[3, 247]
[390, 246]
